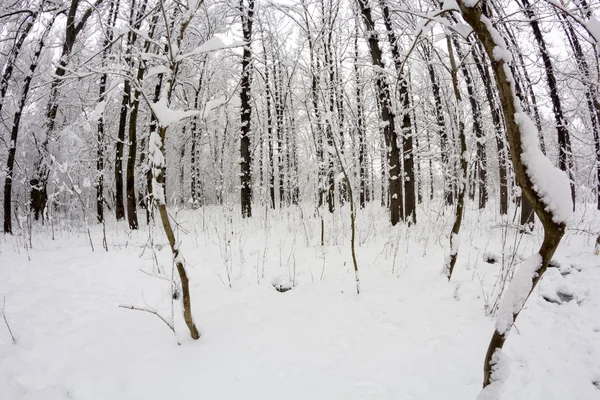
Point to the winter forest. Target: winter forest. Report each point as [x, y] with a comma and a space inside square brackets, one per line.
[301, 199]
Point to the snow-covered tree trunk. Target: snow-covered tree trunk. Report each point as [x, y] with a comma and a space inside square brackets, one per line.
[247, 13]
[546, 187]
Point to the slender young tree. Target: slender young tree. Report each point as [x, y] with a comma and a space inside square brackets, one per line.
[462, 182]
[106, 47]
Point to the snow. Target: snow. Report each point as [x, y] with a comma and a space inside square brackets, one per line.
[410, 335]
[500, 374]
[462, 29]
[159, 69]
[167, 116]
[593, 26]
[516, 295]
[549, 182]
[450, 5]
[212, 44]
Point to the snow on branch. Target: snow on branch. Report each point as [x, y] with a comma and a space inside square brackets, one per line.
[167, 116]
[550, 183]
[515, 297]
[212, 44]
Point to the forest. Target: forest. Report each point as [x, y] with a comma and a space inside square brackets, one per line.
[325, 199]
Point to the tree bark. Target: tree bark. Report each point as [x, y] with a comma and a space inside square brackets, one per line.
[462, 184]
[407, 203]
[441, 125]
[246, 110]
[10, 163]
[553, 231]
[499, 132]
[481, 156]
[387, 115]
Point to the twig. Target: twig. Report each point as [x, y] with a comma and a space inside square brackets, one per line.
[6, 321]
[171, 327]
[155, 275]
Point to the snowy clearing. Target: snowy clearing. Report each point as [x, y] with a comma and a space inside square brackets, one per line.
[409, 335]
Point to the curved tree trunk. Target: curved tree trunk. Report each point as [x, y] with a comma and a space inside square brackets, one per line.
[552, 221]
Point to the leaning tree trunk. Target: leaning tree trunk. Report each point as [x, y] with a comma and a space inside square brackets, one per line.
[387, 115]
[247, 13]
[547, 198]
[13, 54]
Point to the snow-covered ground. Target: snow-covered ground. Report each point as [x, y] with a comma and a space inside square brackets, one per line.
[409, 334]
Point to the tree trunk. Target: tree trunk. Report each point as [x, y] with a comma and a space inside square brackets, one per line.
[408, 178]
[387, 114]
[553, 231]
[462, 184]
[481, 159]
[360, 128]
[499, 132]
[246, 110]
[14, 134]
[441, 124]
[39, 183]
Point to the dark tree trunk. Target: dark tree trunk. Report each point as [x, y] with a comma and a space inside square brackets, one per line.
[329, 123]
[408, 178]
[553, 231]
[387, 114]
[119, 150]
[268, 106]
[13, 54]
[441, 124]
[195, 138]
[39, 183]
[360, 128]
[499, 132]
[14, 134]
[246, 110]
[462, 184]
[481, 159]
